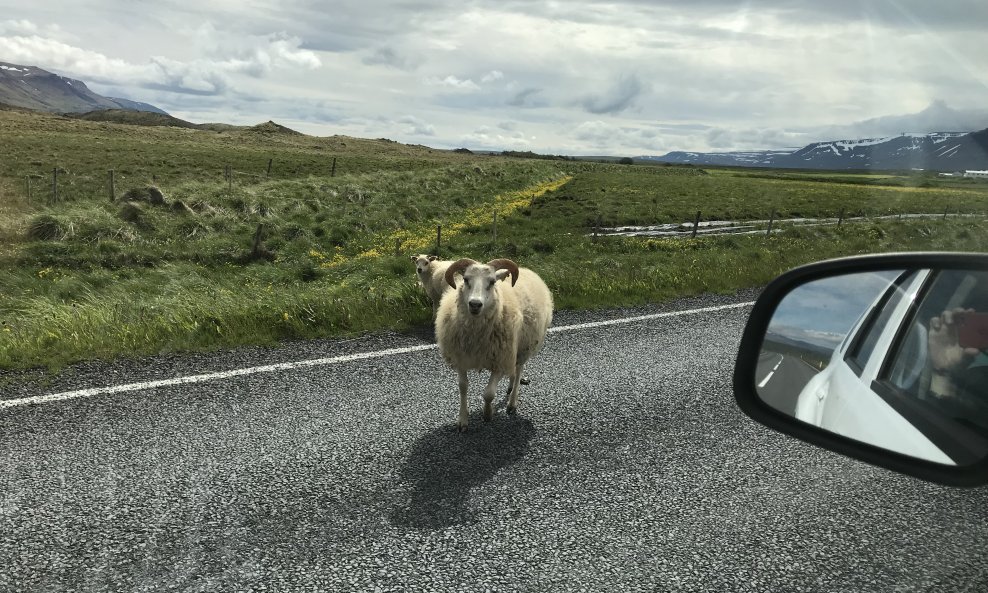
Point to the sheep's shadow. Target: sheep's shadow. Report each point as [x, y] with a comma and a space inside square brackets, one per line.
[445, 465]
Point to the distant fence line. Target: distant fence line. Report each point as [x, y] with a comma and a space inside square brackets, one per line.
[723, 227]
[56, 194]
[720, 228]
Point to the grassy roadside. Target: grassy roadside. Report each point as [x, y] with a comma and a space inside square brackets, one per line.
[183, 306]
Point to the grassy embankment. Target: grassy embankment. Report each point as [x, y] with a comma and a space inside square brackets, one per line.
[89, 278]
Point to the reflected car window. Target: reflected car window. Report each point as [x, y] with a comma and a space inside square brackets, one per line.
[958, 396]
[862, 351]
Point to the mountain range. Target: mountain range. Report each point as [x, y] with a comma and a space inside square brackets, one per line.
[30, 87]
[939, 151]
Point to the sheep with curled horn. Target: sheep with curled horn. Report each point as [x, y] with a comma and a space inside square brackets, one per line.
[431, 272]
[487, 324]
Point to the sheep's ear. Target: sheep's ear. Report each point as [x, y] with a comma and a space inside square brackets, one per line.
[414, 258]
[457, 267]
[433, 257]
[501, 274]
[506, 264]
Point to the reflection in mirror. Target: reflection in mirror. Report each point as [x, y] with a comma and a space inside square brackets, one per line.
[897, 359]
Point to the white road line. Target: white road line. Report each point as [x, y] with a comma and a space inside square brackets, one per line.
[577, 326]
[770, 373]
[287, 366]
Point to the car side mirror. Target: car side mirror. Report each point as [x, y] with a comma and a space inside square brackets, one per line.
[883, 358]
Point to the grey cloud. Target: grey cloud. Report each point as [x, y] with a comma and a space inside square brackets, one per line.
[755, 138]
[415, 126]
[616, 99]
[894, 14]
[526, 98]
[602, 136]
[387, 56]
[938, 117]
[179, 77]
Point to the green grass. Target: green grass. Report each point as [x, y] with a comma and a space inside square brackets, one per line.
[35, 144]
[642, 196]
[89, 278]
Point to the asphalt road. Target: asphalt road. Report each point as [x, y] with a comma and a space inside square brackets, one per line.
[780, 378]
[628, 468]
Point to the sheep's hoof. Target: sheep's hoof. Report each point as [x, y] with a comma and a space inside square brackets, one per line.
[512, 410]
[461, 427]
[524, 381]
[488, 412]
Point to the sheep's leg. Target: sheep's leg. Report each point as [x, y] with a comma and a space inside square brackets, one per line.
[523, 381]
[464, 418]
[516, 380]
[489, 393]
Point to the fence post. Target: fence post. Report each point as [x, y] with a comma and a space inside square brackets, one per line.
[439, 235]
[495, 229]
[268, 173]
[333, 172]
[945, 212]
[696, 224]
[840, 217]
[54, 186]
[771, 219]
[397, 247]
[113, 189]
[255, 250]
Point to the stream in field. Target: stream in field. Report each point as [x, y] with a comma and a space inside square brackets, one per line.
[734, 227]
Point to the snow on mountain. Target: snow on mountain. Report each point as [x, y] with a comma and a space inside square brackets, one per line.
[940, 151]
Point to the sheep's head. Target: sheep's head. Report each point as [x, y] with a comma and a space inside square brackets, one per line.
[478, 289]
[422, 262]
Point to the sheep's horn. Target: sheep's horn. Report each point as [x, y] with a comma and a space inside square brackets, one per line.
[457, 267]
[506, 264]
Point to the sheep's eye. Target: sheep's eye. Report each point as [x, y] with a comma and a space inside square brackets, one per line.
[491, 284]
[466, 283]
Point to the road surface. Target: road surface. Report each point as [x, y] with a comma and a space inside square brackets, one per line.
[780, 378]
[628, 468]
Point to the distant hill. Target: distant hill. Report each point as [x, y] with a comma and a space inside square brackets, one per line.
[941, 151]
[269, 127]
[144, 118]
[31, 87]
[137, 118]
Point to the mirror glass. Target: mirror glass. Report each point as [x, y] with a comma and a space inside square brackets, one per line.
[894, 358]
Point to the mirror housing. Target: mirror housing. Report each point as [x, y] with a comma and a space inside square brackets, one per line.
[746, 388]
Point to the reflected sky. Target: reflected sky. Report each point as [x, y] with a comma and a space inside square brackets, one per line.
[823, 311]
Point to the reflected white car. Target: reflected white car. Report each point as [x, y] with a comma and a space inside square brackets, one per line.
[860, 394]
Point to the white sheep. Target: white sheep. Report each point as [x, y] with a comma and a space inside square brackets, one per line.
[486, 324]
[431, 272]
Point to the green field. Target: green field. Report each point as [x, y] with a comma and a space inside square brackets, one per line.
[257, 257]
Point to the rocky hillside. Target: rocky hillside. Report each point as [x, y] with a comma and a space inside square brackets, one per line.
[30, 87]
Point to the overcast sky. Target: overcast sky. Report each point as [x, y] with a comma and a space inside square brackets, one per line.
[570, 76]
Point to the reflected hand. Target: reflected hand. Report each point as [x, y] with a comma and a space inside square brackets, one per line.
[946, 353]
